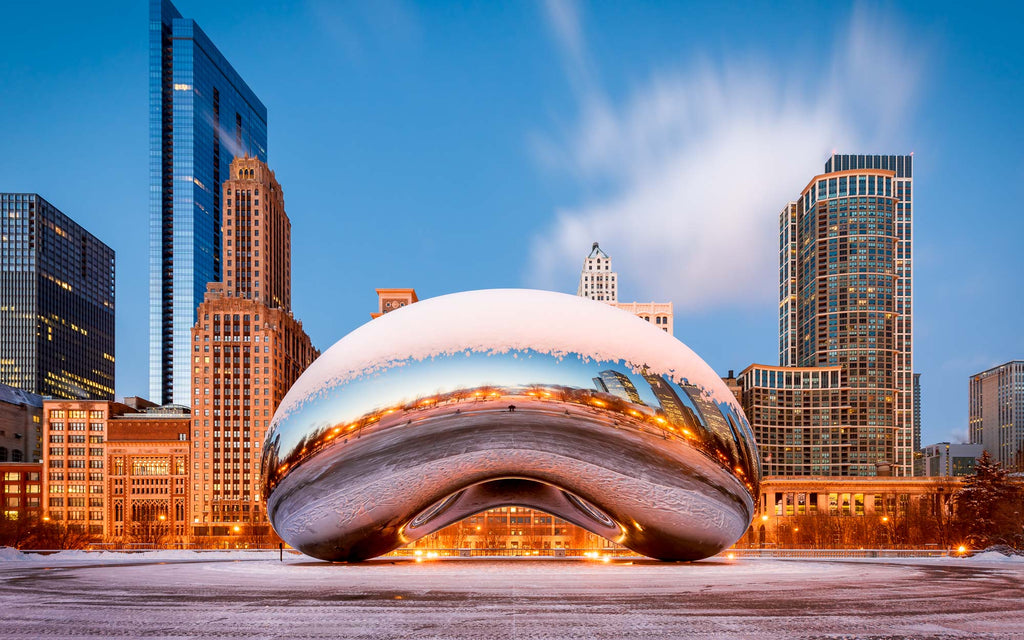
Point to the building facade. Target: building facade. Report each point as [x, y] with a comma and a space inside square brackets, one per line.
[391, 299]
[657, 313]
[945, 459]
[247, 350]
[845, 295]
[597, 280]
[996, 418]
[875, 512]
[21, 425]
[22, 495]
[201, 116]
[800, 421]
[117, 470]
[56, 302]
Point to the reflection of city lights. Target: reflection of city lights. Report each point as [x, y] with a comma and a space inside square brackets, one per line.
[417, 553]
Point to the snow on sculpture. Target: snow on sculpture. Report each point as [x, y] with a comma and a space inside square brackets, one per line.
[475, 400]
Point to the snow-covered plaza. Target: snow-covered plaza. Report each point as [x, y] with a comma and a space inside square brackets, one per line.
[183, 594]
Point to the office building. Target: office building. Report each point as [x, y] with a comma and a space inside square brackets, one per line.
[996, 419]
[117, 471]
[247, 350]
[56, 302]
[21, 425]
[201, 116]
[945, 459]
[845, 300]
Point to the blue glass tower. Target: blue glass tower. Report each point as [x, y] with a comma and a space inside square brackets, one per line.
[201, 115]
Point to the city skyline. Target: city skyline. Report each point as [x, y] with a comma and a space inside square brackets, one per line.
[442, 216]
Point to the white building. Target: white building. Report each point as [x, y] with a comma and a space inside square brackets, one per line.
[599, 282]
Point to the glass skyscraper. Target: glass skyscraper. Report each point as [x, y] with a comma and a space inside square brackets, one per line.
[201, 116]
[56, 303]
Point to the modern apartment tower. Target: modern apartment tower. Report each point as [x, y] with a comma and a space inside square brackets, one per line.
[845, 300]
[246, 351]
[56, 302]
[201, 116]
[996, 418]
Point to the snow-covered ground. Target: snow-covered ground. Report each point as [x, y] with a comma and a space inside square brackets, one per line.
[184, 594]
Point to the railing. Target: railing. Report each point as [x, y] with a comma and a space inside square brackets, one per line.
[586, 554]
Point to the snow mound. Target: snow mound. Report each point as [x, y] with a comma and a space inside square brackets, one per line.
[10, 553]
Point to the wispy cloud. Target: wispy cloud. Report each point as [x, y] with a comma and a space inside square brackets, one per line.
[359, 28]
[696, 163]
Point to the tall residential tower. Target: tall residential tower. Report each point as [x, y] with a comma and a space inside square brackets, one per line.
[56, 302]
[201, 116]
[845, 269]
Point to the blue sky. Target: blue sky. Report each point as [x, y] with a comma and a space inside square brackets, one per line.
[463, 146]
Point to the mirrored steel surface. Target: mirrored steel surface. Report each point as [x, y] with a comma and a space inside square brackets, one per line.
[466, 402]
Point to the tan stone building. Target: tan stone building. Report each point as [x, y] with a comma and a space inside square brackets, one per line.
[869, 511]
[248, 349]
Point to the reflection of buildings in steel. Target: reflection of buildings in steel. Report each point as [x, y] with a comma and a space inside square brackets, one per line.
[617, 384]
[606, 461]
[672, 405]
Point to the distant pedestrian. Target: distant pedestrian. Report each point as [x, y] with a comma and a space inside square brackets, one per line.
[511, 408]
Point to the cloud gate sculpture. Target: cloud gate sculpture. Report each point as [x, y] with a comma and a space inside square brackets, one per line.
[470, 401]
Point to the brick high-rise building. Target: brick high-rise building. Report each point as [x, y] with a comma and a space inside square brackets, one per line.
[56, 302]
[247, 350]
[845, 300]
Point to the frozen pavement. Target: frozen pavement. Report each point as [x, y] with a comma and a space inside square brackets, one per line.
[245, 595]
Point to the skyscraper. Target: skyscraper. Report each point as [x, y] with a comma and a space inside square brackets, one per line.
[201, 116]
[996, 418]
[56, 302]
[597, 280]
[247, 350]
[845, 299]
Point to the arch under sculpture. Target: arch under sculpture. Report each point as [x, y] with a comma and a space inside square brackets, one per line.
[476, 400]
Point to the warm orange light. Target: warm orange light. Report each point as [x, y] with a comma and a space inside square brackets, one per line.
[795, 529]
[731, 556]
[237, 528]
[961, 549]
[885, 518]
[163, 517]
[764, 518]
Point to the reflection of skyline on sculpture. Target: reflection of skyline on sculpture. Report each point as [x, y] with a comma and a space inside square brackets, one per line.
[471, 401]
[665, 405]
